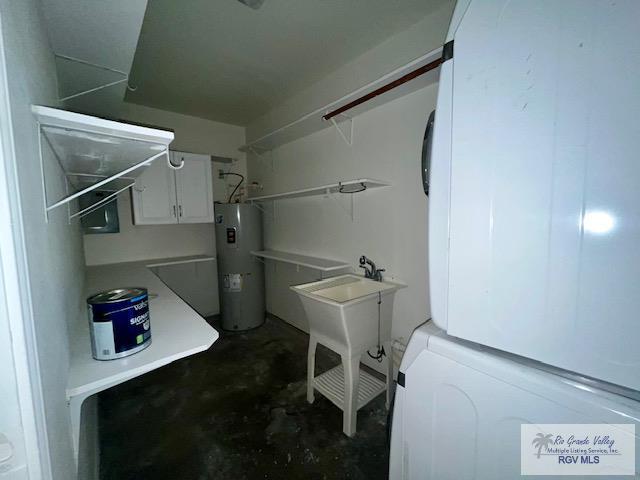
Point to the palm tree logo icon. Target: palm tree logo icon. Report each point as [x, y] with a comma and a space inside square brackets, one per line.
[542, 441]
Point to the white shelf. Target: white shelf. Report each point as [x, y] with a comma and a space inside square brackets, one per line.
[348, 187]
[315, 263]
[313, 121]
[92, 151]
[331, 385]
[77, 122]
[179, 261]
[177, 331]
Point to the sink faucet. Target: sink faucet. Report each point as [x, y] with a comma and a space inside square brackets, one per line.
[370, 270]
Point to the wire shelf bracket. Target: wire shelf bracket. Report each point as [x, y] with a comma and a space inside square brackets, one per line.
[346, 136]
[97, 185]
[97, 153]
[348, 210]
[125, 77]
[266, 211]
[108, 199]
[263, 155]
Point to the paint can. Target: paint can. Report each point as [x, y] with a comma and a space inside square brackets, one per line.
[119, 322]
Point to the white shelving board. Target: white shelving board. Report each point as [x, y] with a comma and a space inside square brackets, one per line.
[177, 331]
[348, 186]
[331, 385]
[93, 151]
[179, 261]
[313, 121]
[315, 263]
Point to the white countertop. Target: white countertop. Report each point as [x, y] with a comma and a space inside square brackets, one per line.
[177, 331]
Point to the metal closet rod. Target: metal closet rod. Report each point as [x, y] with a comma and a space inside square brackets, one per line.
[385, 88]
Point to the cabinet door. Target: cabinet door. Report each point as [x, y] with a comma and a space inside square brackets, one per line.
[154, 195]
[194, 188]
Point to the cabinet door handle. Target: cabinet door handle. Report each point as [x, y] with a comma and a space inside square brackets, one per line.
[174, 210]
[180, 210]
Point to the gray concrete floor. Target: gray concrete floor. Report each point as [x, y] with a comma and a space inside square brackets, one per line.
[237, 411]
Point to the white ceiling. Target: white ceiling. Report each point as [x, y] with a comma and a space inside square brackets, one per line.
[221, 60]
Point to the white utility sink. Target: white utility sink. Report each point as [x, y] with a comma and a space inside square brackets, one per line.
[348, 314]
[343, 311]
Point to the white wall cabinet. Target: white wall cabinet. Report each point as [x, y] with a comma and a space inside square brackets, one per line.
[154, 195]
[194, 189]
[162, 195]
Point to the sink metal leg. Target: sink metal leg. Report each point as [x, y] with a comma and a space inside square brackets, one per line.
[351, 380]
[387, 348]
[311, 366]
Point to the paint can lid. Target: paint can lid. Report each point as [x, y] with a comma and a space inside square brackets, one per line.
[117, 295]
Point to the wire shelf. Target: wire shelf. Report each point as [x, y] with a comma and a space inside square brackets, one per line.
[94, 153]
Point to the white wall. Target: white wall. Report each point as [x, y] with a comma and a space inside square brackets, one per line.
[193, 134]
[159, 241]
[54, 249]
[143, 242]
[390, 223]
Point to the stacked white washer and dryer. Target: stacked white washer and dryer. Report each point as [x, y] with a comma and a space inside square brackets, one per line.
[534, 239]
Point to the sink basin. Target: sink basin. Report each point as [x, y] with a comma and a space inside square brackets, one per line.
[346, 288]
[343, 311]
